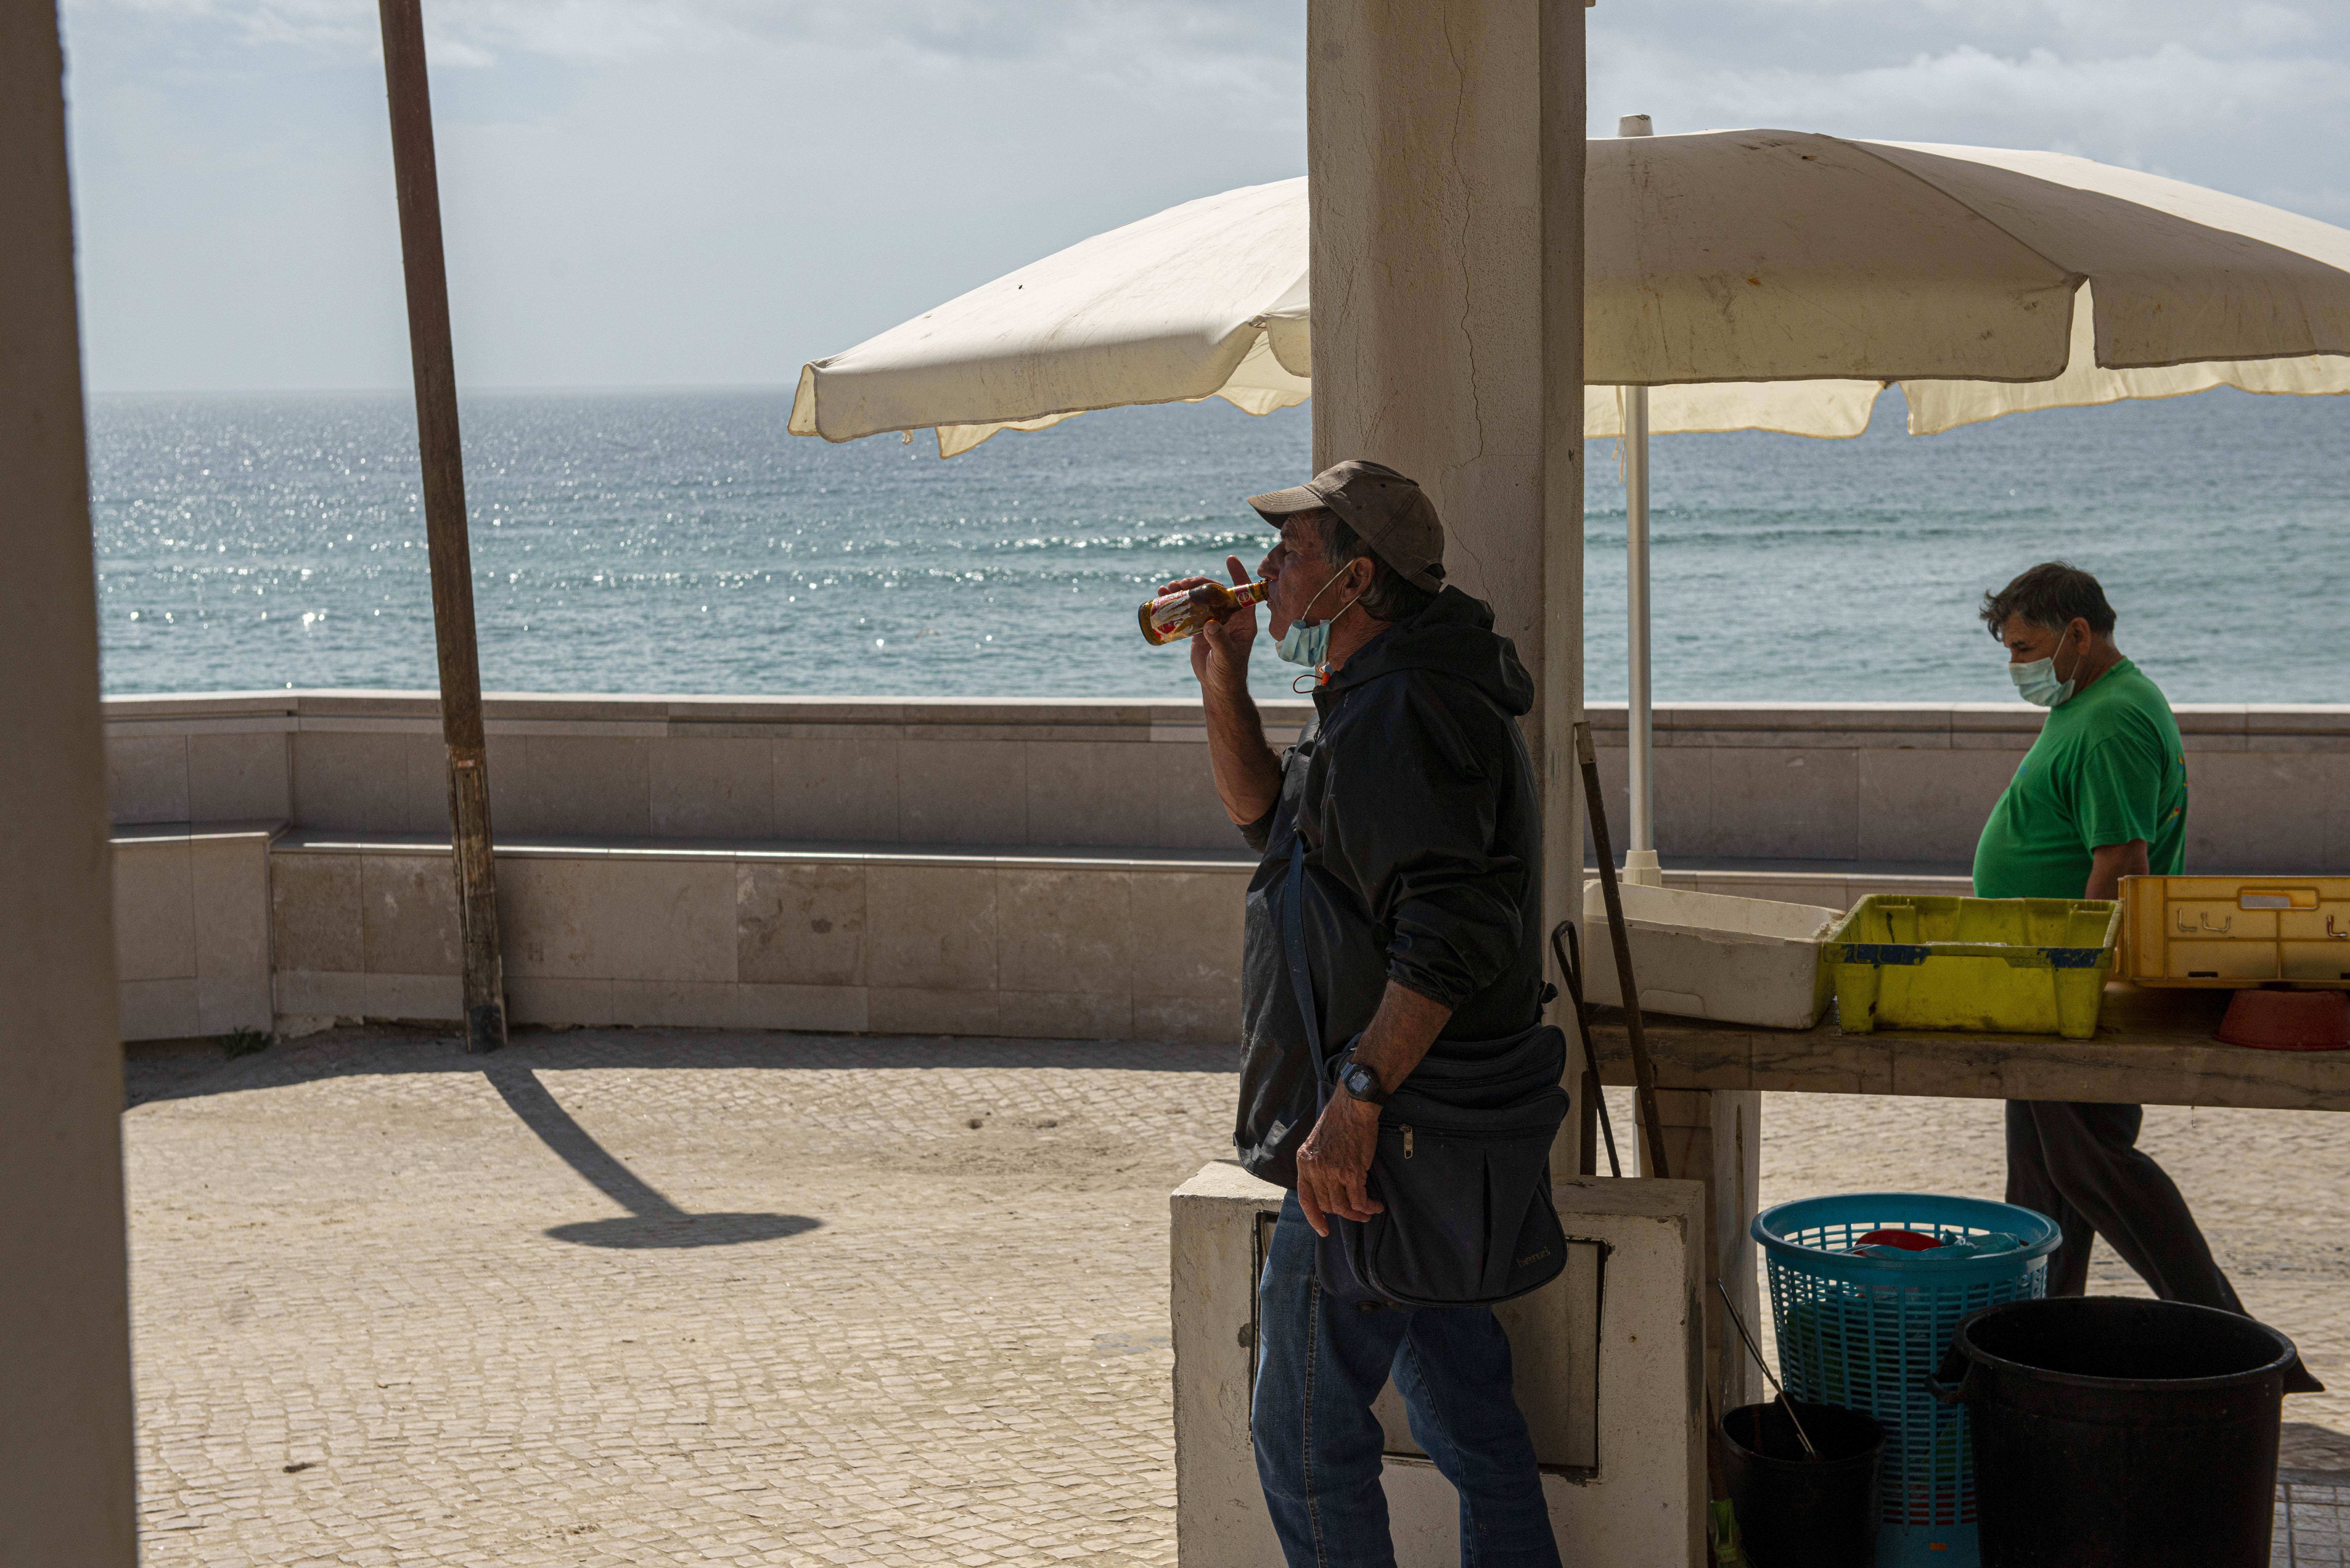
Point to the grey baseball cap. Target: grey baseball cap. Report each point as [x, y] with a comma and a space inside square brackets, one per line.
[1389, 513]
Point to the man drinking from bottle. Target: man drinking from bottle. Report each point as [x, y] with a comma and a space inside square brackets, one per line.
[1411, 802]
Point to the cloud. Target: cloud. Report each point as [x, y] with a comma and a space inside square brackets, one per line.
[2113, 102]
[2252, 100]
[1833, 35]
[697, 190]
[1221, 35]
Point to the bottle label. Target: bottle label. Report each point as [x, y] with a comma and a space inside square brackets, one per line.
[1182, 613]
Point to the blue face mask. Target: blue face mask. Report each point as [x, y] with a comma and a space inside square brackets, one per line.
[2037, 684]
[1305, 645]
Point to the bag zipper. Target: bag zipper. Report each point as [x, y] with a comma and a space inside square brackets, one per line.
[1472, 1131]
[1407, 1142]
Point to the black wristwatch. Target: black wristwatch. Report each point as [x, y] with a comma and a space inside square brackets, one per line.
[1362, 1083]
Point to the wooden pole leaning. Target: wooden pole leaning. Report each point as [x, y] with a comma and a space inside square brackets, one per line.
[418, 179]
[1644, 1072]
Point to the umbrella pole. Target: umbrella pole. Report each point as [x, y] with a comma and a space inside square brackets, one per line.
[1640, 852]
[451, 556]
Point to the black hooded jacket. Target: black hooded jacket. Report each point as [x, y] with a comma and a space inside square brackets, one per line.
[1416, 800]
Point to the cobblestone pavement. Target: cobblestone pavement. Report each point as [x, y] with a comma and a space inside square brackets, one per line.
[642, 1297]
[878, 1301]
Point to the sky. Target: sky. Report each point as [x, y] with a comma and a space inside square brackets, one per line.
[710, 193]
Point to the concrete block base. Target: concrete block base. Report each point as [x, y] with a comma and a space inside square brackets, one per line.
[1608, 1371]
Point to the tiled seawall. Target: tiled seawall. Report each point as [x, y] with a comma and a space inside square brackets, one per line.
[1043, 868]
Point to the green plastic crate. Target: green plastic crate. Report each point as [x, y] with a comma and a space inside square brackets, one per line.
[2009, 966]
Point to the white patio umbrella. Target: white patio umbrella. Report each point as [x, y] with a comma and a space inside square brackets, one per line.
[1734, 280]
[1203, 300]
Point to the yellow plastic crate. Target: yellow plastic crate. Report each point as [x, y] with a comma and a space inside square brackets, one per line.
[2219, 931]
[2009, 966]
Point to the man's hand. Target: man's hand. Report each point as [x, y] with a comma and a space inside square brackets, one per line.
[1334, 1161]
[1248, 775]
[1336, 1155]
[1219, 654]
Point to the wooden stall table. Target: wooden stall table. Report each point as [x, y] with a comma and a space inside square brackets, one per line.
[2152, 1047]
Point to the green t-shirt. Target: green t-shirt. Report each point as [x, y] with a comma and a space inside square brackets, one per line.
[2107, 768]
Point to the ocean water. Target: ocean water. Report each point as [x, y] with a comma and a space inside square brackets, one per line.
[683, 542]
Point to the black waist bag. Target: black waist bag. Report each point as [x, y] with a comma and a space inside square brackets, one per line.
[1461, 1168]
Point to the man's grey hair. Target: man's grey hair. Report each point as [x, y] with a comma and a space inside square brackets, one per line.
[1392, 597]
[2053, 595]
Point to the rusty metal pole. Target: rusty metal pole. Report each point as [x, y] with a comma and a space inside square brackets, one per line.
[418, 183]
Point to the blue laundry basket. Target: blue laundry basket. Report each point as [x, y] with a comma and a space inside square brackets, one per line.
[1864, 1332]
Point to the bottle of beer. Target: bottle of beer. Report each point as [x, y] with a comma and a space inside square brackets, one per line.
[1178, 615]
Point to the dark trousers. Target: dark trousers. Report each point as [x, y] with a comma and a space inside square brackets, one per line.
[1320, 1365]
[2079, 1164]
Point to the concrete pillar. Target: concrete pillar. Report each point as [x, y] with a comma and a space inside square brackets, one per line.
[1714, 1136]
[1445, 150]
[1445, 156]
[65, 1338]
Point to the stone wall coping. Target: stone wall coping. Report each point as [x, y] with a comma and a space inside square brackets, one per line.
[529, 713]
[190, 832]
[2194, 718]
[1013, 857]
[1010, 858]
[655, 715]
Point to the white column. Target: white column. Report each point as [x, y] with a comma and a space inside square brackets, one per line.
[65, 1332]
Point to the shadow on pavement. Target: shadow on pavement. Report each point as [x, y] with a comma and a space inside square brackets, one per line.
[652, 1221]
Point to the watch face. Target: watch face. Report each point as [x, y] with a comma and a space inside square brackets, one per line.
[1361, 1082]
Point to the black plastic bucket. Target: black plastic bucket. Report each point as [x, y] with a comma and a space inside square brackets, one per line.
[1795, 1512]
[2109, 1431]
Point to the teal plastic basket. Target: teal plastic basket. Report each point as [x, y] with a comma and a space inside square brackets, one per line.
[1864, 1332]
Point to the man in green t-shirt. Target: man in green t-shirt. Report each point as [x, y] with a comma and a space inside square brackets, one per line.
[2101, 796]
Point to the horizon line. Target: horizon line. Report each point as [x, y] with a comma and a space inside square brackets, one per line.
[605, 389]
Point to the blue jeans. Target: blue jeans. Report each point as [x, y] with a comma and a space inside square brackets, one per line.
[1321, 1363]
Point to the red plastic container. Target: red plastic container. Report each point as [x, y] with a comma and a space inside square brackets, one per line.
[2287, 1021]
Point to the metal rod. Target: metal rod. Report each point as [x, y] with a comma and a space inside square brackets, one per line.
[1754, 1350]
[1642, 828]
[417, 178]
[1644, 1071]
[1567, 948]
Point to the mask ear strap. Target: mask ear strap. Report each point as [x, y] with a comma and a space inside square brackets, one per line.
[1324, 589]
[1358, 598]
[1317, 600]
